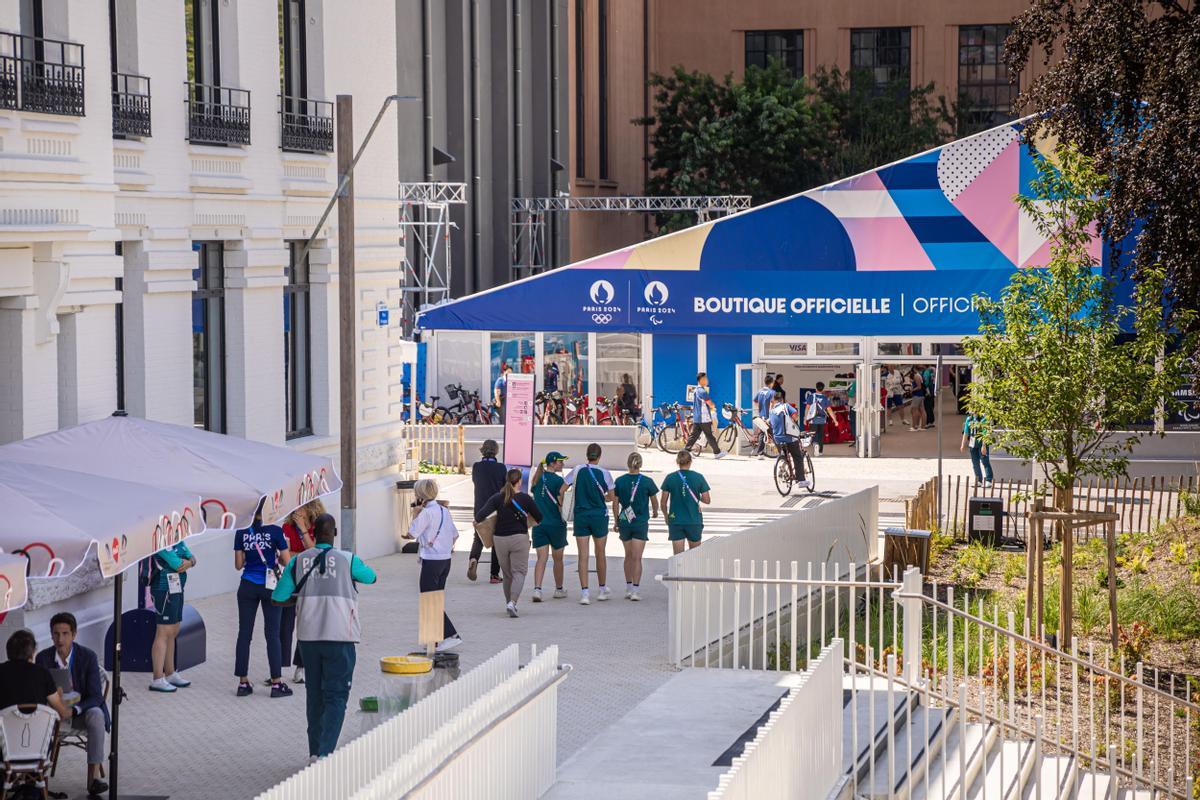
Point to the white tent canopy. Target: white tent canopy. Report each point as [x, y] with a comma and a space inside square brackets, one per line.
[13, 590]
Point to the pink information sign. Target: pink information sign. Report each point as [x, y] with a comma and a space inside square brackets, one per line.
[518, 420]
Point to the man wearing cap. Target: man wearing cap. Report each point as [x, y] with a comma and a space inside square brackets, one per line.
[487, 474]
[549, 535]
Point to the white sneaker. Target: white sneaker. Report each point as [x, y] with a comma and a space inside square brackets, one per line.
[721, 454]
[560, 593]
[449, 644]
[604, 593]
[512, 609]
[178, 681]
[802, 484]
[298, 675]
[584, 600]
[537, 595]
[161, 685]
[760, 456]
[627, 593]
[634, 595]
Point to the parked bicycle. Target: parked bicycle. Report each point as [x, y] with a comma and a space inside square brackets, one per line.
[548, 408]
[650, 426]
[673, 437]
[785, 474]
[479, 413]
[728, 437]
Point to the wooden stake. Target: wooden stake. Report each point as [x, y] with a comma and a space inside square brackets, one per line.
[1110, 529]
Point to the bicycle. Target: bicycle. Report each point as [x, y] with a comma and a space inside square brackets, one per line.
[649, 430]
[477, 413]
[727, 438]
[785, 475]
[546, 408]
[672, 438]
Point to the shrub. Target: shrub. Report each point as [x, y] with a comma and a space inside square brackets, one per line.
[1014, 567]
[1172, 612]
[975, 562]
[1091, 609]
[1179, 553]
[1190, 501]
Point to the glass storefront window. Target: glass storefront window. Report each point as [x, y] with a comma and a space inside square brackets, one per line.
[565, 356]
[619, 367]
[459, 362]
[514, 349]
[947, 349]
[899, 348]
[837, 348]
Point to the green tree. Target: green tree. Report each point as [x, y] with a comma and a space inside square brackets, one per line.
[1123, 80]
[772, 135]
[1063, 371]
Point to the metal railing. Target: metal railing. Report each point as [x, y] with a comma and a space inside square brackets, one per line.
[131, 105]
[785, 760]
[42, 75]
[1109, 713]
[305, 125]
[217, 114]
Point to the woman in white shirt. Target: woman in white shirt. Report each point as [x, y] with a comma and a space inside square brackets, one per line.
[435, 533]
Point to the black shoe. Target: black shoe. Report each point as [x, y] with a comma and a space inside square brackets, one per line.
[97, 788]
[245, 690]
[281, 689]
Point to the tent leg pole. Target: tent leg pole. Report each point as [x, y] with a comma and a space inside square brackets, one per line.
[116, 690]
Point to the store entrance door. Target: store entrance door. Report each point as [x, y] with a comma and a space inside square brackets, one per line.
[750, 378]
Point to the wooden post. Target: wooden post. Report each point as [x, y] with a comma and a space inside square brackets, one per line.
[1039, 532]
[1110, 529]
[1066, 605]
[462, 451]
[1030, 565]
[347, 319]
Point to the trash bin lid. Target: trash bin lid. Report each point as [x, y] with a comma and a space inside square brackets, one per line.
[405, 665]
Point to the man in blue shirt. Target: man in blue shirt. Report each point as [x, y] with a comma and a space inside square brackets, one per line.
[550, 384]
[785, 428]
[500, 388]
[816, 407]
[762, 408]
[703, 415]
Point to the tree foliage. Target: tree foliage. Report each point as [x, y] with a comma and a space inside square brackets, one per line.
[1062, 370]
[1123, 87]
[772, 135]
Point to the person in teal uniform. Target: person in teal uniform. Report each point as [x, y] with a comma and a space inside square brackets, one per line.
[593, 492]
[683, 492]
[635, 502]
[168, 577]
[549, 535]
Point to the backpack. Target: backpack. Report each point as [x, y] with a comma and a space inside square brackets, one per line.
[810, 410]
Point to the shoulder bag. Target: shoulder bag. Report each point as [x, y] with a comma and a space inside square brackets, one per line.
[568, 505]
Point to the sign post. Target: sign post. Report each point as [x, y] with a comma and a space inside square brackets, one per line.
[518, 420]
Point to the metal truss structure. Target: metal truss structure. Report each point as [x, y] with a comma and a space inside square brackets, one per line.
[529, 217]
[425, 244]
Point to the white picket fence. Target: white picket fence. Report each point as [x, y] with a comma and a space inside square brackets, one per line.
[786, 760]
[838, 532]
[437, 748]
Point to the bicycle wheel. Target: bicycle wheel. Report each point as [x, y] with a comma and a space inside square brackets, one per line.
[783, 475]
[468, 418]
[810, 474]
[439, 415]
[771, 448]
[643, 436]
[670, 440]
[727, 438]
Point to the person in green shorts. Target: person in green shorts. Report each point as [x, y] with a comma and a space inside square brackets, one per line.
[683, 492]
[635, 503]
[549, 535]
[593, 492]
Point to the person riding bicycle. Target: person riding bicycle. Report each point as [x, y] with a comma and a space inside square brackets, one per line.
[785, 428]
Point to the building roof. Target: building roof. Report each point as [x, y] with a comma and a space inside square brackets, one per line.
[900, 249]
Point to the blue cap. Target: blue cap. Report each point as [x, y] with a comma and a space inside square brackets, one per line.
[553, 456]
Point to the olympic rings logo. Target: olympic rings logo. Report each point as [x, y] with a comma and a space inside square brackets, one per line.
[312, 486]
[227, 520]
[173, 529]
[8, 590]
[601, 319]
[54, 561]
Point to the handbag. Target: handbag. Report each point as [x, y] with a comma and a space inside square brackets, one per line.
[568, 505]
[486, 530]
[291, 601]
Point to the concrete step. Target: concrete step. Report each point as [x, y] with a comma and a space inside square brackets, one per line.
[871, 693]
[1009, 763]
[928, 728]
[1098, 786]
[1059, 778]
[946, 774]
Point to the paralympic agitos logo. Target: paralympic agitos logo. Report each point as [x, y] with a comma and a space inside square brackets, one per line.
[602, 308]
[656, 294]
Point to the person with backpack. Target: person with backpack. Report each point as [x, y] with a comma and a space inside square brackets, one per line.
[323, 580]
[683, 493]
[588, 498]
[762, 410]
[635, 502]
[974, 437]
[549, 535]
[259, 551]
[297, 529]
[785, 428]
[168, 576]
[816, 410]
[435, 533]
[516, 512]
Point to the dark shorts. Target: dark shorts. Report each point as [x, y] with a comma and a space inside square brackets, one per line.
[552, 535]
[596, 527]
[168, 607]
[637, 530]
[677, 533]
[895, 400]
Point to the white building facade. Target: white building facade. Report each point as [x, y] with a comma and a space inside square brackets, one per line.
[162, 163]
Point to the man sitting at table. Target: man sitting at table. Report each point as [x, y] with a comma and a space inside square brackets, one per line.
[86, 707]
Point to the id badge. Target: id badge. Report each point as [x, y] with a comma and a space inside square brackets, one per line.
[174, 583]
[628, 514]
[970, 441]
[271, 580]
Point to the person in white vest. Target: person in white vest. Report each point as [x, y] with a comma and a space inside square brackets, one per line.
[322, 580]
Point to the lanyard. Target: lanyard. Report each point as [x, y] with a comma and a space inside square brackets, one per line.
[633, 493]
[263, 559]
[691, 494]
[595, 480]
[441, 521]
[524, 513]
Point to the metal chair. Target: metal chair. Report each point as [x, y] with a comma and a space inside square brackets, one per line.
[26, 739]
[71, 736]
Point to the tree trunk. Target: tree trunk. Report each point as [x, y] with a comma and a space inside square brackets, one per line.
[1064, 500]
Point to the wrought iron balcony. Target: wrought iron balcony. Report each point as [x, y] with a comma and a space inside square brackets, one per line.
[131, 105]
[218, 115]
[305, 125]
[43, 75]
